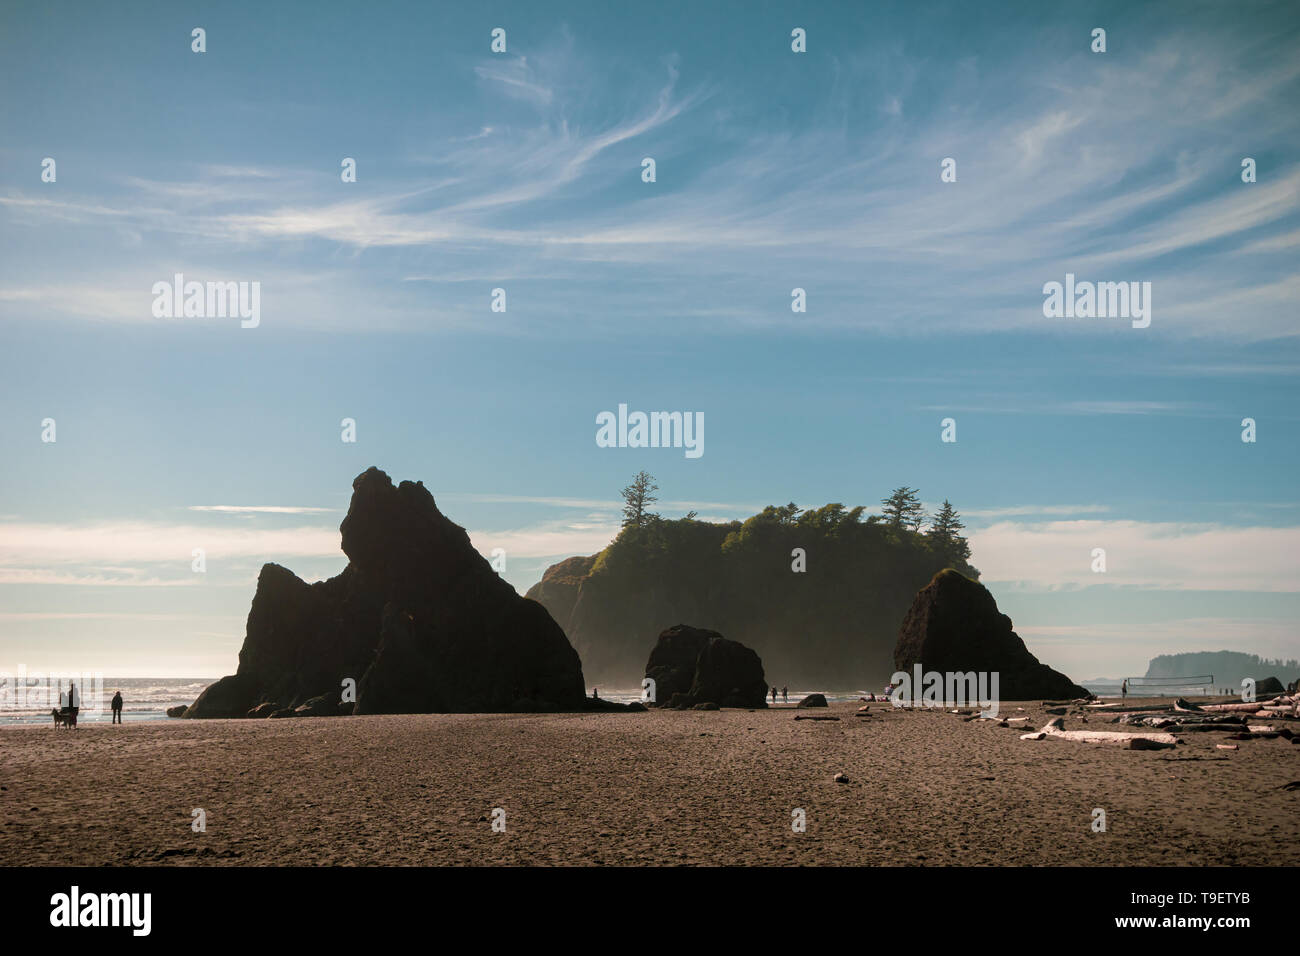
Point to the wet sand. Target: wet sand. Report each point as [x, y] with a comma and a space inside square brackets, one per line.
[664, 787]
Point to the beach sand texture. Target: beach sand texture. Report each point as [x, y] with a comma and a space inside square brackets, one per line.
[661, 787]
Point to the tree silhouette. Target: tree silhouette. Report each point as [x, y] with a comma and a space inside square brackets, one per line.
[903, 509]
[638, 497]
[945, 532]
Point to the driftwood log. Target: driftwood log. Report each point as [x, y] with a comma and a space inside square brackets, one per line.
[1055, 728]
[1126, 708]
[1243, 708]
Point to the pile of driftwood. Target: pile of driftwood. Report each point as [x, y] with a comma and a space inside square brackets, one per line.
[1239, 720]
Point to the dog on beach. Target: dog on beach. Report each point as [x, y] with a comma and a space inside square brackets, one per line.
[62, 719]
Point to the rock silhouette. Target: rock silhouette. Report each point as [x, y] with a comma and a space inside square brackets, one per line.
[955, 625]
[692, 666]
[1269, 685]
[418, 620]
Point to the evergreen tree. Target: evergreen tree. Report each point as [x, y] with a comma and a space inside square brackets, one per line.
[638, 497]
[945, 532]
[786, 514]
[903, 509]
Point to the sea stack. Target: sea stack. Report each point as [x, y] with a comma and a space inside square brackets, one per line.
[692, 666]
[418, 619]
[954, 625]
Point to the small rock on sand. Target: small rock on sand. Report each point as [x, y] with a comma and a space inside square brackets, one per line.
[841, 778]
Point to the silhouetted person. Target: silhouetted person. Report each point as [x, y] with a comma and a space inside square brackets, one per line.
[1123, 689]
[117, 707]
[785, 695]
[595, 693]
[74, 701]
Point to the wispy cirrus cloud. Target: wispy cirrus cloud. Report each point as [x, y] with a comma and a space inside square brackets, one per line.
[1035, 197]
[514, 78]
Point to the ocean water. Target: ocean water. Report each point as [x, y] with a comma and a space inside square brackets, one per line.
[143, 698]
[147, 698]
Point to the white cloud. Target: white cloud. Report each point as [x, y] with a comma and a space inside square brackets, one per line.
[515, 79]
[28, 545]
[549, 539]
[262, 509]
[31, 576]
[1162, 555]
[1035, 510]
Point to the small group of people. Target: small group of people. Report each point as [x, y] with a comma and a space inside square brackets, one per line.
[785, 695]
[70, 704]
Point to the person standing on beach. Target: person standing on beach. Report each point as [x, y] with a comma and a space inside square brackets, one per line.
[774, 695]
[785, 695]
[117, 707]
[1123, 689]
[74, 701]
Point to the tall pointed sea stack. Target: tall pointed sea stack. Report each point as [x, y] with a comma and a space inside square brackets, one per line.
[418, 619]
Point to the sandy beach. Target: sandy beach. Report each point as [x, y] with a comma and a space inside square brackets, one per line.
[661, 787]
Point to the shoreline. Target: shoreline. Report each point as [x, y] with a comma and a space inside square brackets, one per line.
[659, 787]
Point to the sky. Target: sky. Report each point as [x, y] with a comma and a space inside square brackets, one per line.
[522, 170]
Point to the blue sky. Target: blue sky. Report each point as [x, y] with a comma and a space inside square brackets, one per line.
[522, 171]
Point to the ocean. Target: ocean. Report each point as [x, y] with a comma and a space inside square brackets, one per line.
[143, 698]
[147, 698]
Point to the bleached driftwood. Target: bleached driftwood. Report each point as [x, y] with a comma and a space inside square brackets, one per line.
[1056, 728]
[1281, 703]
[1107, 708]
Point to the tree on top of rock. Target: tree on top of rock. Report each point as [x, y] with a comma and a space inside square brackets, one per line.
[903, 509]
[638, 497]
[785, 514]
[945, 534]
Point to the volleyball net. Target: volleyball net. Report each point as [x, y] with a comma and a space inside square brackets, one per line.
[1162, 686]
